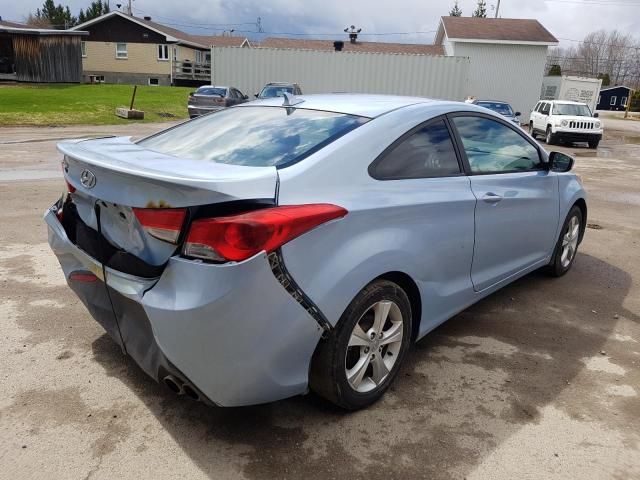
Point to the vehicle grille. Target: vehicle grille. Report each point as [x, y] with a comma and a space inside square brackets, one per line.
[583, 125]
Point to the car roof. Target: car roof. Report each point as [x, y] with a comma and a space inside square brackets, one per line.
[280, 84]
[213, 86]
[492, 101]
[565, 102]
[364, 105]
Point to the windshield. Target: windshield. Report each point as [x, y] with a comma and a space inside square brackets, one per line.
[211, 91]
[498, 107]
[275, 91]
[254, 136]
[578, 110]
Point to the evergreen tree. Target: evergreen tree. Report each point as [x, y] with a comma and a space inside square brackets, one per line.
[455, 11]
[56, 16]
[96, 9]
[555, 71]
[481, 9]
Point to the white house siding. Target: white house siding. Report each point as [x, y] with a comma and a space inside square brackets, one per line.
[326, 71]
[511, 73]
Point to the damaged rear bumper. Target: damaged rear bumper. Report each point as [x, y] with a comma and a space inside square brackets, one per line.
[231, 331]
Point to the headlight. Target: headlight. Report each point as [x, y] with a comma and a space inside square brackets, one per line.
[598, 124]
[564, 123]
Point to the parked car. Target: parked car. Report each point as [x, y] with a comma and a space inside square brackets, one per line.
[277, 89]
[283, 244]
[503, 108]
[210, 98]
[561, 120]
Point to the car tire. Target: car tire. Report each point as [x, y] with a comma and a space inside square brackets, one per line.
[532, 132]
[550, 138]
[567, 244]
[594, 143]
[346, 352]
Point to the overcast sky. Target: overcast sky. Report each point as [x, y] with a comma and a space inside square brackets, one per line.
[566, 19]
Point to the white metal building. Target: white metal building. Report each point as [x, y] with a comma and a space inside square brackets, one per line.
[507, 56]
[316, 71]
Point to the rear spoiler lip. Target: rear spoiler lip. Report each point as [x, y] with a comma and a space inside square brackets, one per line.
[76, 150]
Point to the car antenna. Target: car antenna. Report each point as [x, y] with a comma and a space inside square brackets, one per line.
[290, 99]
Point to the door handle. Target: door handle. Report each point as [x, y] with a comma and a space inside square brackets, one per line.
[491, 197]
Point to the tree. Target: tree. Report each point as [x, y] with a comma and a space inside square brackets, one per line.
[54, 16]
[96, 9]
[606, 79]
[555, 71]
[455, 11]
[481, 9]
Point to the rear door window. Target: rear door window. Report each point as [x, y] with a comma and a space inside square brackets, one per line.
[427, 152]
[254, 136]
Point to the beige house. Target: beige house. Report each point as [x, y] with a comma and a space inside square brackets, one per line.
[122, 48]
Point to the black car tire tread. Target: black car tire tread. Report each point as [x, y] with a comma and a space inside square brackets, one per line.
[327, 374]
[555, 267]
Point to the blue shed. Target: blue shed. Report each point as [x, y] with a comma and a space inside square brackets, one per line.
[614, 98]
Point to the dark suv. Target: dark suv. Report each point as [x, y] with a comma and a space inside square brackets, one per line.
[276, 89]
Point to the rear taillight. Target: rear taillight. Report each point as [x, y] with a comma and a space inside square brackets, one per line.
[239, 237]
[162, 223]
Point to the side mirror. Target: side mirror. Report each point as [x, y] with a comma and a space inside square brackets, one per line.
[246, 97]
[596, 115]
[191, 94]
[255, 95]
[518, 114]
[560, 162]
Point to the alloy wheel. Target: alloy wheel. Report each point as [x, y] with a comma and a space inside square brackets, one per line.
[570, 242]
[374, 346]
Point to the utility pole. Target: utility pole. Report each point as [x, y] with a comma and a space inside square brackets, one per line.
[497, 8]
[129, 10]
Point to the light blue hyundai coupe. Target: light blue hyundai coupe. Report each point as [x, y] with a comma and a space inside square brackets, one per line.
[305, 242]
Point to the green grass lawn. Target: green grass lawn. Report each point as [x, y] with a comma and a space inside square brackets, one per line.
[88, 104]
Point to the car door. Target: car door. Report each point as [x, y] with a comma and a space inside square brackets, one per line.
[516, 214]
[534, 115]
[545, 111]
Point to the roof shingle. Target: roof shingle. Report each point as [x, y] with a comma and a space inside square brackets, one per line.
[503, 29]
[368, 47]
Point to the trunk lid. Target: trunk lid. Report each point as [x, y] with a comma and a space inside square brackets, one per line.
[114, 175]
[206, 100]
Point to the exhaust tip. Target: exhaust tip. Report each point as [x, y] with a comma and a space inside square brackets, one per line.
[191, 393]
[173, 384]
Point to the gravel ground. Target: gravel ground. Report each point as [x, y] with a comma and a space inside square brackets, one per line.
[540, 380]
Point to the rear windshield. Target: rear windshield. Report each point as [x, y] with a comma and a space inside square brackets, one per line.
[501, 108]
[211, 91]
[275, 91]
[254, 136]
[571, 109]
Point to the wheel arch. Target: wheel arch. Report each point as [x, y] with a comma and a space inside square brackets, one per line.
[410, 287]
[582, 205]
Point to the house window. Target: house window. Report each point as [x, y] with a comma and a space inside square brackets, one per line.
[613, 101]
[163, 52]
[154, 82]
[121, 50]
[623, 102]
[83, 48]
[198, 56]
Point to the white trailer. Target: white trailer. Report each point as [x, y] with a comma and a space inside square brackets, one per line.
[575, 89]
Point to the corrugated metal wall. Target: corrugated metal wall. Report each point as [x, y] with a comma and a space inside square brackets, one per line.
[512, 73]
[50, 58]
[248, 69]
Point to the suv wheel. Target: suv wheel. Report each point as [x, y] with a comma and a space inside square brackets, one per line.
[532, 132]
[594, 143]
[355, 365]
[550, 137]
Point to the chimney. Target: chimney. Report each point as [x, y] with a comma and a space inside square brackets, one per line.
[338, 45]
[147, 18]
